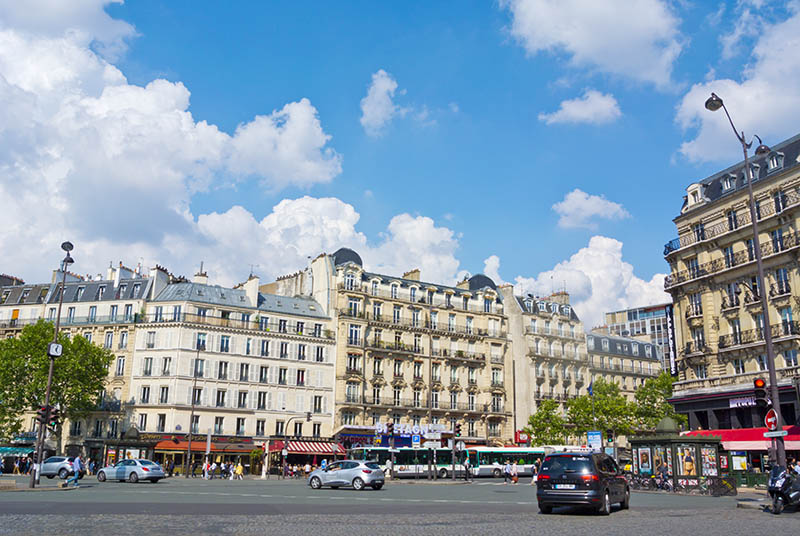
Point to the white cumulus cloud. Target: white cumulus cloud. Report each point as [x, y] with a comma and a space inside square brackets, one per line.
[579, 209]
[765, 101]
[598, 280]
[378, 107]
[593, 108]
[636, 39]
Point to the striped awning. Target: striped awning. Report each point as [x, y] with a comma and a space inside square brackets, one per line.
[308, 447]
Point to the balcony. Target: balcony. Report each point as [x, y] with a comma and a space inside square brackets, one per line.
[458, 354]
[779, 290]
[353, 370]
[251, 325]
[791, 240]
[756, 336]
[498, 383]
[354, 341]
[554, 333]
[790, 199]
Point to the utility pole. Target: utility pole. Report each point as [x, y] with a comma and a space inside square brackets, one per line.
[191, 415]
[53, 350]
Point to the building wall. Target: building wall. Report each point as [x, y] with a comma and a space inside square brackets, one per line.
[643, 323]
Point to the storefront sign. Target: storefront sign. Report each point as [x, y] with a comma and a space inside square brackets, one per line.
[673, 364]
[742, 402]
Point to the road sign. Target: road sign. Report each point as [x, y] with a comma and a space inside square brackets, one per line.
[415, 440]
[594, 439]
[460, 445]
[54, 349]
[433, 435]
[776, 433]
[432, 445]
[771, 420]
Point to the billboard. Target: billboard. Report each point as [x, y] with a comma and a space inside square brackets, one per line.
[673, 364]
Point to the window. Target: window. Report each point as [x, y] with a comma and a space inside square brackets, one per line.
[242, 401]
[751, 252]
[261, 400]
[200, 343]
[109, 340]
[398, 367]
[301, 352]
[349, 282]
[730, 259]
[142, 422]
[353, 307]
[790, 356]
[248, 345]
[377, 367]
[448, 300]
[451, 322]
[348, 418]
[316, 405]
[487, 305]
[695, 304]
[758, 209]
[301, 377]
[780, 201]
[319, 354]
[413, 294]
[199, 367]
[197, 395]
[394, 292]
[777, 240]
[354, 335]
[738, 366]
[700, 371]
[417, 369]
[761, 360]
[417, 398]
[282, 376]
[262, 374]
[113, 313]
[282, 326]
[219, 425]
[699, 232]
[221, 398]
[471, 401]
[434, 319]
[260, 427]
[471, 375]
[693, 267]
[163, 396]
[145, 395]
[222, 370]
[120, 370]
[736, 331]
[284, 350]
[264, 348]
[71, 315]
[436, 372]
[316, 430]
[166, 366]
[128, 313]
[604, 344]
[300, 327]
[787, 325]
[374, 288]
[353, 362]
[176, 313]
[782, 281]
[453, 400]
[317, 330]
[397, 314]
[225, 343]
[244, 372]
[298, 429]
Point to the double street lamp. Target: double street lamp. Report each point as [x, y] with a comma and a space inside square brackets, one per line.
[713, 104]
[53, 350]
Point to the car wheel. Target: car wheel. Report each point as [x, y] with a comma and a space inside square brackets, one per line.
[63, 474]
[358, 484]
[545, 509]
[133, 478]
[605, 506]
[497, 473]
[443, 473]
[377, 486]
[51, 476]
[315, 483]
[626, 502]
[101, 477]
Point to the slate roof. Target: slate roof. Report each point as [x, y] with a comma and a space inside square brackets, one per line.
[295, 306]
[626, 345]
[46, 292]
[521, 301]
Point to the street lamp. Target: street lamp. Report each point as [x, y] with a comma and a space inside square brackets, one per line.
[53, 350]
[200, 346]
[713, 104]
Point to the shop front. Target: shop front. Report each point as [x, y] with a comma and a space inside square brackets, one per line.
[301, 452]
[221, 449]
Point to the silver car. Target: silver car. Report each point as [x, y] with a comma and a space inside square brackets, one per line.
[356, 473]
[132, 471]
[59, 466]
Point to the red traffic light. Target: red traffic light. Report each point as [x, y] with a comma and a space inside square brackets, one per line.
[759, 383]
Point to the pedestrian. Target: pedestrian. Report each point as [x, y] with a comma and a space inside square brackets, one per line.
[76, 468]
[240, 471]
[194, 469]
[467, 469]
[16, 466]
[171, 466]
[212, 470]
[308, 468]
[506, 472]
[514, 472]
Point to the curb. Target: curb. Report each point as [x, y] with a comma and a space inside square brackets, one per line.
[47, 488]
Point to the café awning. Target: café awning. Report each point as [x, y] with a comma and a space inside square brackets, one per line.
[750, 438]
[200, 446]
[308, 447]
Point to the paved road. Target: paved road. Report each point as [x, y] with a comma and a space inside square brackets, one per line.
[180, 506]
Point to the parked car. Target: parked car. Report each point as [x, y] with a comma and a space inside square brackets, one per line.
[59, 466]
[572, 478]
[132, 471]
[356, 473]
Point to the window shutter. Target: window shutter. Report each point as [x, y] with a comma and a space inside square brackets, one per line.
[281, 401]
[324, 404]
[320, 382]
[310, 378]
[269, 399]
[292, 379]
[271, 375]
[299, 402]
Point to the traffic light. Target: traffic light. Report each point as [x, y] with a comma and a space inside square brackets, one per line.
[55, 416]
[457, 431]
[610, 436]
[390, 428]
[760, 392]
[43, 414]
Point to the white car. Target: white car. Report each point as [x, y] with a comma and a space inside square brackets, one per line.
[132, 471]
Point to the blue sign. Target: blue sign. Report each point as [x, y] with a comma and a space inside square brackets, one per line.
[416, 440]
[594, 439]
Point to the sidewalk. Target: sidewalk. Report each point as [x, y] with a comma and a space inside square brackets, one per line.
[752, 499]
[20, 483]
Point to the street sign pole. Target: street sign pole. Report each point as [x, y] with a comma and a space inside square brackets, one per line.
[453, 444]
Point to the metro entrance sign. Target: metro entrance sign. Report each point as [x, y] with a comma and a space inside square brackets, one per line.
[771, 420]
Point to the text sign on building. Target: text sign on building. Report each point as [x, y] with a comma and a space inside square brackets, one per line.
[742, 402]
[771, 420]
[673, 364]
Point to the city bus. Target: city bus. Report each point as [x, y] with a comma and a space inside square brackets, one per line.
[409, 462]
[489, 461]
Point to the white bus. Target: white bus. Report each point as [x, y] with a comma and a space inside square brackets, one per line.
[489, 461]
[409, 462]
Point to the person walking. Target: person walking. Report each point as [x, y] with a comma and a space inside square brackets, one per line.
[76, 468]
[506, 472]
[213, 470]
[16, 467]
[239, 471]
[171, 466]
[194, 469]
[514, 472]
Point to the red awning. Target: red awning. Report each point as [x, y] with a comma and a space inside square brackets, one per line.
[750, 438]
[308, 447]
[200, 446]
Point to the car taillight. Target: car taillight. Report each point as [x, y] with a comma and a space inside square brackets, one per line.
[145, 469]
[544, 477]
[368, 471]
[588, 478]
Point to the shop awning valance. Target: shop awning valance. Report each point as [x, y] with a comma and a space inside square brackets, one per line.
[308, 447]
[15, 451]
[200, 446]
[750, 438]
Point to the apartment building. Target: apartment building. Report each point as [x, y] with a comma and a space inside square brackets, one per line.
[719, 320]
[622, 360]
[413, 352]
[642, 323]
[242, 365]
[105, 310]
[549, 351]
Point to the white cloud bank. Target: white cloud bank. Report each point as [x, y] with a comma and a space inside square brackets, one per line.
[598, 280]
[378, 107]
[766, 100]
[593, 108]
[636, 39]
[578, 209]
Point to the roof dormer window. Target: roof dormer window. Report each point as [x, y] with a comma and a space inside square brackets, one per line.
[727, 183]
[774, 162]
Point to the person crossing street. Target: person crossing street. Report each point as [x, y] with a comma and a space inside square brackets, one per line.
[76, 468]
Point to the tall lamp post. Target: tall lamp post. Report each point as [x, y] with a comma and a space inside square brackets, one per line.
[53, 350]
[713, 104]
[191, 415]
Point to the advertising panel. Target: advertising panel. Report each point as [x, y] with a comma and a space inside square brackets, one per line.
[709, 457]
[645, 461]
[673, 364]
[686, 460]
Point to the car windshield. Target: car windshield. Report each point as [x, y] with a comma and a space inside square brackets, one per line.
[146, 462]
[567, 464]
[372, 465]
[54, 459]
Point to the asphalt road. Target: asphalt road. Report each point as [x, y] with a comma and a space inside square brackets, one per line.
[179, 506]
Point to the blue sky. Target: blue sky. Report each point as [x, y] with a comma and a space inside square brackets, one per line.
[422, 134]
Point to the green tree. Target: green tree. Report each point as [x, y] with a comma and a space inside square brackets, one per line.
[546, 426]
[652, 402]
[611, 410]
[79, 375]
